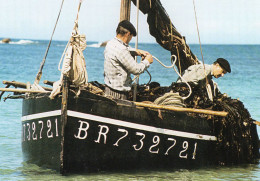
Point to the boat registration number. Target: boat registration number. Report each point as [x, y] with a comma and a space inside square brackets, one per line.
[37, 130]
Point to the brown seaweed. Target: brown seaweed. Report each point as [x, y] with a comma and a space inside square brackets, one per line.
[237, 135]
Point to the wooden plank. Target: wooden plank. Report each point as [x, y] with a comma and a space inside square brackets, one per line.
[181, 109]
[22, 90]
[21, 84]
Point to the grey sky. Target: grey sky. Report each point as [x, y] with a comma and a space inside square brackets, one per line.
[220, 21]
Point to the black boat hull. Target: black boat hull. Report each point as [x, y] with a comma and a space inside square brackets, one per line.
[102, 134]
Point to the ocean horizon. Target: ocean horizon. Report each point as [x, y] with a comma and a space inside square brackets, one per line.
[16, 40]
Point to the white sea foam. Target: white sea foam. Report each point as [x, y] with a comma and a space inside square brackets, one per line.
[95, 45]
[21, 42]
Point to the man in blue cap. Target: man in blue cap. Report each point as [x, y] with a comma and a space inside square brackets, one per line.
[120, 63]
[197, 74]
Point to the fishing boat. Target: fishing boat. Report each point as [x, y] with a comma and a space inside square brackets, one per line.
[75, 127]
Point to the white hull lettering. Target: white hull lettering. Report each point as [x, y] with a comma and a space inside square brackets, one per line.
[41, 123]
[34, 135]
[102, 133]
[174, 142]
[153, 148]
[141, 141]
[156, 141]
[82, 133]
[185, 146]
[37, 129]
[122, 131]
[49, 133]
[48, 128]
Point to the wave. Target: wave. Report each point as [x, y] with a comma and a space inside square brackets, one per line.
[98, 45]
[20, 42]
[95, 45]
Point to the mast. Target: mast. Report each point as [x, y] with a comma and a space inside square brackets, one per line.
[125, 15]
[125, 10]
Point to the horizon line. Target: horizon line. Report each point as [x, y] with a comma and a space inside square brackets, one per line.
[142, 42]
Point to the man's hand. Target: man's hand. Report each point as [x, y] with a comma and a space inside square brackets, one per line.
[145, 55]
[149, 57]
[142, 53]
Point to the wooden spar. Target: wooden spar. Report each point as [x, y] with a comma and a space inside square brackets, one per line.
[64, 104]
[125, 10]
[181, 109]
[2, 93]
[21, 84]
[47, 82]
[257, 123]
[22, 90]
[39, 74]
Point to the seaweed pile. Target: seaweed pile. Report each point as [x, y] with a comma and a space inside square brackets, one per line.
[236, 133]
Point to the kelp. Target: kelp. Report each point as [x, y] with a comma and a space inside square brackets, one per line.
[166, 34]
[237, 138]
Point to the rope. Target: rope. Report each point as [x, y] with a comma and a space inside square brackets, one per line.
[38, 77]
[178, 54]
[182, 78]
[199, 40]
[73, 61]
[171, 66]
[136, 46]
[170, 98]
[208, 88]
[75, 26]
[160, 63]
[137, 22]
[76, 21]
[63, 56]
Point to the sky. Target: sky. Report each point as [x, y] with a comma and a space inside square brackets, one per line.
[219, 21]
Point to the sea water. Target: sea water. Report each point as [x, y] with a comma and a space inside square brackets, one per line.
[21, 59]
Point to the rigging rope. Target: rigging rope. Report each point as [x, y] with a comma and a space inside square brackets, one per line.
[136, 46]
[207, 82]
[74, 66]
[75, 25]
[199, 36]
[39, 74]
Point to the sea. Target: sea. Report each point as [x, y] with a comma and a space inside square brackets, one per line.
[20, 60]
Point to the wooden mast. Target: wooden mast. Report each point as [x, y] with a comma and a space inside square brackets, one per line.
[125, 10]
[125, 15]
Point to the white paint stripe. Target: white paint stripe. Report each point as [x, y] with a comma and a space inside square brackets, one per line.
[121, 123]
[140, 126]
[41, 115]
